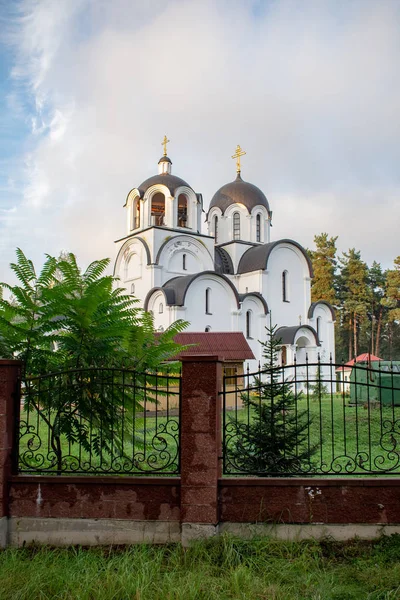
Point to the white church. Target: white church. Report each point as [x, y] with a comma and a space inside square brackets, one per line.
[230, 279]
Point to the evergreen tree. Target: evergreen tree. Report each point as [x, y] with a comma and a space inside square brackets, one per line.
[391, 302]
[377, 312]
[355, 297]
[324, 266]
[275, 441]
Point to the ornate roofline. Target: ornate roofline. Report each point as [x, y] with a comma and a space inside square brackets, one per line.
[314, 305]
[260, 256]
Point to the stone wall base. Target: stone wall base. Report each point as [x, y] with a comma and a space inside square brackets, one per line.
[293, 532]
[97, 532]
[91, 532]
[3, 532]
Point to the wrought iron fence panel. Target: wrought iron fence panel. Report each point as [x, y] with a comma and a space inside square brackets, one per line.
[103, 421]
[313, 419]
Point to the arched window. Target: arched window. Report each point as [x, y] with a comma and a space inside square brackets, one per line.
[136, 213]
[236, 226]
[161, 308]
[184, 262]
[208, 301]
[182, 211]
[216, 229]
[248, 324]
[157, 209]
[207, 329]
[285, 284]
[161, 329]
[258, 228]
[132, 288]
[319, 328]
[284, 355]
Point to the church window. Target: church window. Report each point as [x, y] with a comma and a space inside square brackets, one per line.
[208, 301]
[161, 308]
[161, 329]
[248, 324]
[136, 214]
[207, 329]
[216, 229]
[132, 288]
[285, 284]
[236, 226]
[158, 209]
[319, 328]
[258, 228]
[182, 211]
[184, 262]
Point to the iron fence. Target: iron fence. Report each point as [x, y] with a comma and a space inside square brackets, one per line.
[313, 419]
[104, 421]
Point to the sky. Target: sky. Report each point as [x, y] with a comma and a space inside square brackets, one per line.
[88, 89]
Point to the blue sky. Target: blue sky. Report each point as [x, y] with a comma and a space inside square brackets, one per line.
[89, 87]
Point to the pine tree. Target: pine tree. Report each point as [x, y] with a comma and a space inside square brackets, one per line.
[377, 312]
[275, 441]
[355, 296]
[324, 266]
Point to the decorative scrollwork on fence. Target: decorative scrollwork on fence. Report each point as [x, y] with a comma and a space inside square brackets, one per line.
[104, 421]
[303, 420]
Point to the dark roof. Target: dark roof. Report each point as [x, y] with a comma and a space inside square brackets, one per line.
[256, 258]
[239, 192]
[256, 295]
[286, 335]
[165, 159]
[223, 262]
[225, 345]
[176, 288]
[171, 181]
[314, 305]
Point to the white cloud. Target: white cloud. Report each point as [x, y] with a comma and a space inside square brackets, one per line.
[310, 90]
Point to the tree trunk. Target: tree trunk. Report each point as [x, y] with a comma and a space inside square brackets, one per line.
[378, 333]
[355, 334]
[350, 340]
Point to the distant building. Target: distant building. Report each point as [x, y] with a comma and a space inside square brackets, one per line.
[227, 280]
[344, 372]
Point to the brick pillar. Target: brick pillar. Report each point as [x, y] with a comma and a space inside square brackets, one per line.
[9, 373]
[200, 445]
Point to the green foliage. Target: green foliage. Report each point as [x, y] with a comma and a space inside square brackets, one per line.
[274, 442]
[65, 319]
[318, 388]
[218, 569]
[324, 267]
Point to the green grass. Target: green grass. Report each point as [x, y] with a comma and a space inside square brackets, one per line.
[145, 444]
[219, 569]
[367, 438]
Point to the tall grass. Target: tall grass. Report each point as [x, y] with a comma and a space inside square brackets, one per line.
[221, 568]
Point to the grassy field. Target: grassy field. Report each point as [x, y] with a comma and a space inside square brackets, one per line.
[224, 568]
[349, 438]
[359, 438]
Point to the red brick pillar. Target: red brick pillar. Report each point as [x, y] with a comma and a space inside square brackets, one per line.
[200, 445]
[9, 374]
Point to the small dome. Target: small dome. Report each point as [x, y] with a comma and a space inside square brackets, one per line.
[239, 192]
[171, 181]
[165, 159]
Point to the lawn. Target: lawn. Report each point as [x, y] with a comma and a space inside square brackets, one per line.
[219, 569]
[361, 438]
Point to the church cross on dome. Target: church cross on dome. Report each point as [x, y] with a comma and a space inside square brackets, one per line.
[164, 143]
[238, 153]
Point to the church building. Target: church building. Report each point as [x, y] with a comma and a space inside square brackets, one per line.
[231, 279]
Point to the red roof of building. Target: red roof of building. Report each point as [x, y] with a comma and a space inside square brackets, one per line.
[361, 358]
[228, 346]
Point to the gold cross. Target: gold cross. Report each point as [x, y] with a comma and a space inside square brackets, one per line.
[239, 152]
[164, 143]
